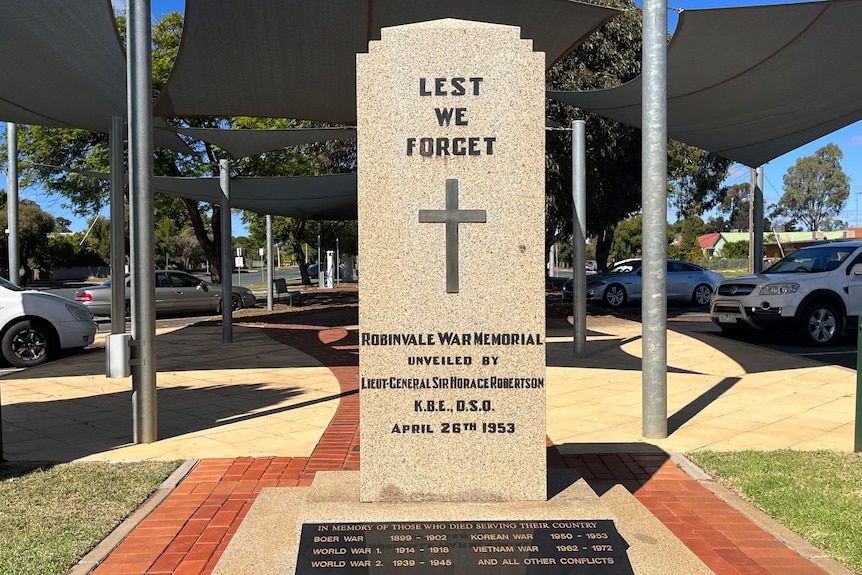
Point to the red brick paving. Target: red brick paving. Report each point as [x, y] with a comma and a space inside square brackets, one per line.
[189, 531]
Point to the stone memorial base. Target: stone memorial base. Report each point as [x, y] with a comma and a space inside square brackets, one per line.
[267, 541]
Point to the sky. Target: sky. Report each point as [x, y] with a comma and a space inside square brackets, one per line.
[849, 139]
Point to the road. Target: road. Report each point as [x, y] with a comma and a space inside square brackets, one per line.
[693, 320]
[242, 279]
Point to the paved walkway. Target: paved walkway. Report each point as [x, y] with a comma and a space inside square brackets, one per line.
[280, 403]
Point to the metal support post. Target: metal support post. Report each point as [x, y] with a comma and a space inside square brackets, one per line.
[269, 262]
[118, 231]
[140, 91]
[226, 267]
[757, 203]
[579, 237]
[12, 202]
[654, 190]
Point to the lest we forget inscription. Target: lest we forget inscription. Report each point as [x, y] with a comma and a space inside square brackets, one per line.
[451, 236]
[464, 547]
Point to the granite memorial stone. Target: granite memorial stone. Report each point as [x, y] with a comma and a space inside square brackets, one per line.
[451, 236]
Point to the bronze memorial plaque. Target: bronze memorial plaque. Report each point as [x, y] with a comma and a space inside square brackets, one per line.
[523, 547]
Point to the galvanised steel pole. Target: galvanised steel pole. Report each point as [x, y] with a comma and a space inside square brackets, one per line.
[579, 237]
[140, 94]
[654, 190]
[269, 262]
[226, 267]
[118, 228]
[12, 202]
[751, 186]
[757, 202]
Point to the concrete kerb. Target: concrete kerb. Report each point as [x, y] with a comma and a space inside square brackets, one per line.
[761, 519]
[101, 551]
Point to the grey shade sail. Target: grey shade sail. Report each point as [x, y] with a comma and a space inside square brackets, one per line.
[241, 143]
[63, 66]
[297, 58]
[330, 197]
[752, 83]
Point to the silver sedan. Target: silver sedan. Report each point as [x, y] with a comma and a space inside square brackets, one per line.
[622, 283]
[176, 292]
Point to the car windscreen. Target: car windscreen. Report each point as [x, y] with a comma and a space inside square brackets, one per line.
[811, 260]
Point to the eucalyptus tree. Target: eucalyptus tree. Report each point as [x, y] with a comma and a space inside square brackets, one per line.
[610, 57]
[816, 190]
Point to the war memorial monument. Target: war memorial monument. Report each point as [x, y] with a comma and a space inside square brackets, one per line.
[453, 475]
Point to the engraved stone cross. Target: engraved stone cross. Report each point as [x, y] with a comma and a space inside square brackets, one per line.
[451, 216]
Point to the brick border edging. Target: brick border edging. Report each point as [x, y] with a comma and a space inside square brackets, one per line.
[760, 518]
[100, 552]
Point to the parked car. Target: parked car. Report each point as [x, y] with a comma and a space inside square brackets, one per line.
[175, 292]
[35, 326]
[816, 291]
[622, 283]
[315, 269]
[591, 265]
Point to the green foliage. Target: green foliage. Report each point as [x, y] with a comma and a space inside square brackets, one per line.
[34, 225]
[684, 244]
[735, 250]
[816, 190]
[694, 179]
[814, 493]
[50, 518]
[736, 207]
[628, 239]
[609, 57]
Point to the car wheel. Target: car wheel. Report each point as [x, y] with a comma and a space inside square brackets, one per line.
[28, 343]
[615, 295]
[821, 323]
[235, 302]
[701, 294]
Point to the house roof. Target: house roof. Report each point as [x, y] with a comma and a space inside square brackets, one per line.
[708, 240]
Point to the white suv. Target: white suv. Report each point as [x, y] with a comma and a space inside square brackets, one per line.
[817, 291]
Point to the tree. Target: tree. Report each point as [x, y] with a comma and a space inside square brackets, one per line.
[685, 233]
[610, 57]
[816, 189]
[34, 225]
[735, 206]
[628, 240]
[296, 235]
[694, 179]
[735, 250]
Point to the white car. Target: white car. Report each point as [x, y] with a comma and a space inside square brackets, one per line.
[816, 291]
[35, 325]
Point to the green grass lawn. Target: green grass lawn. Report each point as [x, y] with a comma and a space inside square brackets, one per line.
[816, 494]
[51, 517]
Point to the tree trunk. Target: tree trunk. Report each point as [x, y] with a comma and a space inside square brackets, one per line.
[603, 247]
[211, 248]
